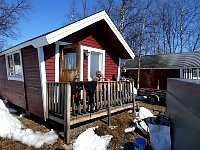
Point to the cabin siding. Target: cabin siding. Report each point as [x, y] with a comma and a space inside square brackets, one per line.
[111, 62]
[32, 81]
[111, 67]
[85, 69]
[149, 77]
[11, 90]
[90, 42]
[49, 57]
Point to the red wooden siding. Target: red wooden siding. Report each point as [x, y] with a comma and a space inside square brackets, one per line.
[49, 57]
[95, 39]
[90, 42]
[111, 67]
[10, 89]
[149, 77]
[85, 69]
[32, 81]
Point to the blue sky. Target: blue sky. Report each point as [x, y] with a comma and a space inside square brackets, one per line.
[46, 15]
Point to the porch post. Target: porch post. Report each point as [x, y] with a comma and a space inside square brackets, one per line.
[109, 113]
[181, 73]
[119, 69]
[42, 77]
[57, 64]
[134, 112]
[67, 104]
[81, 63]
[186, 73]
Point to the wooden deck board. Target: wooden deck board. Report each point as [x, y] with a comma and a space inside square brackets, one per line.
[89, 116]
[100, 113]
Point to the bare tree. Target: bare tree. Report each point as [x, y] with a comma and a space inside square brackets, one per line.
[170, 25]
[140, 51]
[10, 15]
[122, 15]
[73, 14]
[188, 13]
[107, 5]
[143, 24]
[85, 7]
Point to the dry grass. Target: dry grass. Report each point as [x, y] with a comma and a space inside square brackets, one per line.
[120, 121]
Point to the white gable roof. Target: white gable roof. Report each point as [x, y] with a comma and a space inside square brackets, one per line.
[67, 30]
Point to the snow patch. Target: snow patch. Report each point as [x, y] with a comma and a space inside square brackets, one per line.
[129, 129]
[88, 140]
[11, 127]
[144, 113]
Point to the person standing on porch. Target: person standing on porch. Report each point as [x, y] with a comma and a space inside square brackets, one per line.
[124, 74]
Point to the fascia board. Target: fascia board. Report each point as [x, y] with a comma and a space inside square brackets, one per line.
[65, 31]
[119, 36]
[38, 42]
[59, 34]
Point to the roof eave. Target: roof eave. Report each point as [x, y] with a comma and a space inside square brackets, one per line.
[67, 30]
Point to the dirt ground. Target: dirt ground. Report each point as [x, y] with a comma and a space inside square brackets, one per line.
[120, 121]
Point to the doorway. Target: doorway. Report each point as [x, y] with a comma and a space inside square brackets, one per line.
[70, 63]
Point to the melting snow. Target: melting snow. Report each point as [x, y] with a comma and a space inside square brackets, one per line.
[11, 127]
[143, 113]
[88, 140]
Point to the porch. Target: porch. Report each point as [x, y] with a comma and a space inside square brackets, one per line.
[70, 104]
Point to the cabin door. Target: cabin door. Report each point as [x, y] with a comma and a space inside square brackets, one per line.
[70, 63]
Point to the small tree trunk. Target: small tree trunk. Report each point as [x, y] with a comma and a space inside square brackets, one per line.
[122, 16]
[140, 51]
[181, 30]
[138, 75]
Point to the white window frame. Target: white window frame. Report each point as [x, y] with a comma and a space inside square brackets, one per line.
[13, 77]
[91, 49]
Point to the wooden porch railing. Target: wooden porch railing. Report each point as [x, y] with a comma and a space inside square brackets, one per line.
[62, 105]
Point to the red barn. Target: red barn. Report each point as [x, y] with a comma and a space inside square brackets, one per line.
[154, 70]
[80, 48]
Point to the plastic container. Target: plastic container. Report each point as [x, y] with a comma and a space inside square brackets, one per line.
[140, 143]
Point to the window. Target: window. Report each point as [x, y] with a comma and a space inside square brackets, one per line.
[95, 63]
[195, 73]
[14, 66]
[70, 59]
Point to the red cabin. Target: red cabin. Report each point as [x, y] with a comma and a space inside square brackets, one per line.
[78, 49]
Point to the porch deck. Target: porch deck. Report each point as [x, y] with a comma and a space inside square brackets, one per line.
[68, 107]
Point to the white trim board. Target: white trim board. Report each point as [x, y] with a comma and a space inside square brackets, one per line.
[57, 58]
[119, 69]
[91, 49]
[42, 77]
[67, 30]
[81, 63]
[13, 77]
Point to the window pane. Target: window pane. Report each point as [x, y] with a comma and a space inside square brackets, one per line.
[17, 64]
[10, 65]
[194, 73]
[70, 61]
[94, 64]
[199, 72]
